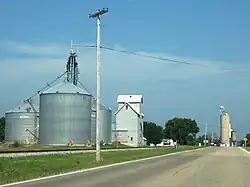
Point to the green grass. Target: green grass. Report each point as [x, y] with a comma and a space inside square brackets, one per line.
[23, 168]
[247, 148]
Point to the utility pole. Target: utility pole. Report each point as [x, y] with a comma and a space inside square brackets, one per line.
[98, 83]
[205, 135]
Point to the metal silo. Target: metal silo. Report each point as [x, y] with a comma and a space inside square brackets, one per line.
[93, 122]
[20, 123]
[233, 135]
[105, 124]
[224, 121]
[113, 132]
[65, 115]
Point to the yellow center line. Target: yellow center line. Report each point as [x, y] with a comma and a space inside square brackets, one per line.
[179, 170]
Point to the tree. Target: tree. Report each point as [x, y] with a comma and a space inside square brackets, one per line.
[248, 139]
[152, 132]
[2, 126]
[183, 130]
[212, 138]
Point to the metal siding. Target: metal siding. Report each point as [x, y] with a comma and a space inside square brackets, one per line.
[105, 125]
[93, 126]
[64, 117]
[16, 124]
[233, 136]
[127, 119]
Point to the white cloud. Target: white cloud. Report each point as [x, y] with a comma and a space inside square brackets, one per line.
[33, 49]
[115, 66]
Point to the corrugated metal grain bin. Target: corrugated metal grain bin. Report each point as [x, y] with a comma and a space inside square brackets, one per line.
[65, 115]
[105, 124]
[93, 122]
[233, 136]
[18, 120]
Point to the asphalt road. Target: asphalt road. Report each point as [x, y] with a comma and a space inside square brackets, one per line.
[211, 167]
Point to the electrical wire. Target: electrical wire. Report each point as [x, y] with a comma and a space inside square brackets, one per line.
[85, 88]
[170, 60]
[94, 98]
[164, 59]
[47, 85]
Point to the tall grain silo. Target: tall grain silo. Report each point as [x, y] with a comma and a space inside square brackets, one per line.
[65, 115]
[20, 123]
[105, 123]
[224, 123]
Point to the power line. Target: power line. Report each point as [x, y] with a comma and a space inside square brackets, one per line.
[47, 85]
[164, 59]
[170, 60]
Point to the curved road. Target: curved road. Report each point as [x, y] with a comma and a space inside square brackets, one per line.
[211, 167]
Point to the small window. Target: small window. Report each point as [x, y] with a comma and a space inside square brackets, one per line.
[126, 107]
[131, 138]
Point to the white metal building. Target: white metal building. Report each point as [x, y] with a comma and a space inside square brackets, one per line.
[129, 120]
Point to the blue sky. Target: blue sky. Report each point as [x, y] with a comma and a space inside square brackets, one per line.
[35, 39]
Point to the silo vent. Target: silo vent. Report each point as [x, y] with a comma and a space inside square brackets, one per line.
[28, 109]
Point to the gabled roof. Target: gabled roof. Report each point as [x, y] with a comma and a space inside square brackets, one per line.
[130, 99]
[129, 107]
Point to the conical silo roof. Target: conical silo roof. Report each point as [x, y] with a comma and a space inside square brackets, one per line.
[66, 88]
[24, 107]
[102, 106]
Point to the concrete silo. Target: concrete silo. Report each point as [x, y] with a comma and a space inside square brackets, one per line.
[224, 123]
[105, 124]
[65, 115]
[20, 123]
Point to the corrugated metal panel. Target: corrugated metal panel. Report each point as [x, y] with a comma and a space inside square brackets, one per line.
[105, 124]
[17, 120]
[233, 136]
[65, 116]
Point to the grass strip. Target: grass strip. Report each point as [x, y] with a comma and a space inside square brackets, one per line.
[247, 148]
[22, 168]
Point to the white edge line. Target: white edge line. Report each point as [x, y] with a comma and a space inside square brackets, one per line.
[100, 167]
[246, 151]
